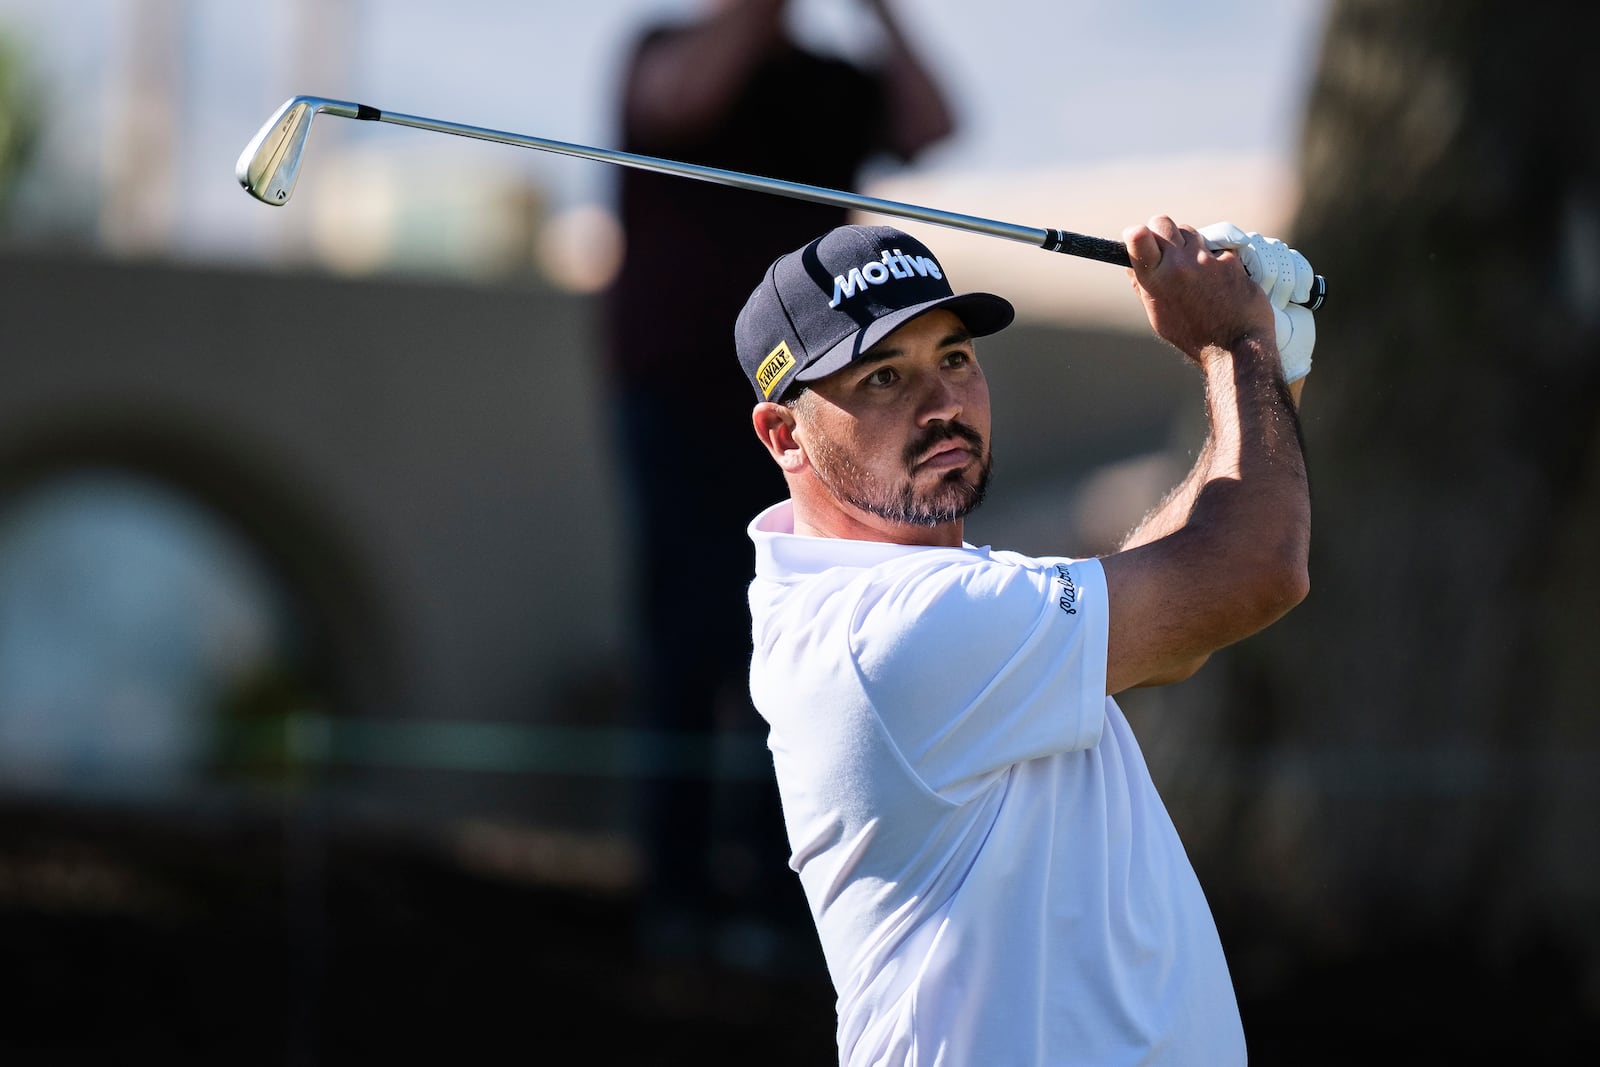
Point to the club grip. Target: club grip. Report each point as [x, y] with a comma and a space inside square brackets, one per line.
[1076, 244]
[1116, 253]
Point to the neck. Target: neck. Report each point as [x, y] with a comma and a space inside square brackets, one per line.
[822, 515]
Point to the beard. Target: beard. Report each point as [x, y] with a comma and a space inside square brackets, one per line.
[952, 497]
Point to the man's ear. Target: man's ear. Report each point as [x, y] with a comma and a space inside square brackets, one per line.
[775, 425]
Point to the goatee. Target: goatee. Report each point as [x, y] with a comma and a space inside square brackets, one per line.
[954, 497]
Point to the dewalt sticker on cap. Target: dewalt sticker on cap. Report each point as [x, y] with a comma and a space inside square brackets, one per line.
[777, 364]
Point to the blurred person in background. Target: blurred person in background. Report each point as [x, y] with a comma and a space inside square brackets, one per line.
[730, 87]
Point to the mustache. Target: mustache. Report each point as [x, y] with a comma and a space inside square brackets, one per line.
[944, 431]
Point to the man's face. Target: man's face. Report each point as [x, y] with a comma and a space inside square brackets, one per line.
[902, 433]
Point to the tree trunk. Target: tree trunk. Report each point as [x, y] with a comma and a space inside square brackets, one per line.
[1413, 755]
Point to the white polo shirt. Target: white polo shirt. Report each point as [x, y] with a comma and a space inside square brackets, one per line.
[994, 879]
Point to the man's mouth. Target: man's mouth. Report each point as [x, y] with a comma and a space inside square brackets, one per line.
[948, 455]
[952, 447]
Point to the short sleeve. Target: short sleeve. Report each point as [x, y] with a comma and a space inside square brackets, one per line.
[975, 662]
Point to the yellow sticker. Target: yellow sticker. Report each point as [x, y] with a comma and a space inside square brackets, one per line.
[778, 363]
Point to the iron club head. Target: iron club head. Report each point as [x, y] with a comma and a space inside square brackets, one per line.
[270, 163]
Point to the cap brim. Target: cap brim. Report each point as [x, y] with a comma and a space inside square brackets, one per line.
[981, 313]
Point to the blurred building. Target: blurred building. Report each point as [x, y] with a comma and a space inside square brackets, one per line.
[268, 494]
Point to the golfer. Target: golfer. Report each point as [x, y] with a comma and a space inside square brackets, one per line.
[993, 877]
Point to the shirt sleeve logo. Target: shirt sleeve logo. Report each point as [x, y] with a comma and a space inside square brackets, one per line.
[772, 369]
[1068, 589]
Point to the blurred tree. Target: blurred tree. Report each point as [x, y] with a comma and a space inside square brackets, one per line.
[1425, 726]
[19, 120]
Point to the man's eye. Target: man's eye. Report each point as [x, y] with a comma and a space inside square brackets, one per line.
[881, 376]
[958, 358]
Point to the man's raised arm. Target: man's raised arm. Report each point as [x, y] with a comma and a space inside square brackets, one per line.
[1225, 554]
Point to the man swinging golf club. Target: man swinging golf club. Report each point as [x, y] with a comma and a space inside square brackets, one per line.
[993, 877]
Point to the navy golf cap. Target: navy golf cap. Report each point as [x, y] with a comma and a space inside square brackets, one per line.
[820, 307]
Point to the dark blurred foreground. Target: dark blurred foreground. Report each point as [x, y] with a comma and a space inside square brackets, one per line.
[284, 937]
[249, 939]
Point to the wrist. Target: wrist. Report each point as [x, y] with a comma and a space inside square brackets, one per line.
[1249, 352]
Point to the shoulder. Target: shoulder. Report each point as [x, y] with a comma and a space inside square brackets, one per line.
[970, 605]
[964, 578]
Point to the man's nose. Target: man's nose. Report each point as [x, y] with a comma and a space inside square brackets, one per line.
[940, 402]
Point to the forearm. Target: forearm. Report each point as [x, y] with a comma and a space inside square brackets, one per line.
[1252, 513]
[1237, 560]
[1237, 530]
[1173, 510]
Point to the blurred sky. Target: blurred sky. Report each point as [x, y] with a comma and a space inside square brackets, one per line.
[1042, 87]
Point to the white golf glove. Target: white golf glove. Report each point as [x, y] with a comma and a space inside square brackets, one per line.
[1286, 277]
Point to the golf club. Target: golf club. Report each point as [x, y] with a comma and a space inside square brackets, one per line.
[270, 163]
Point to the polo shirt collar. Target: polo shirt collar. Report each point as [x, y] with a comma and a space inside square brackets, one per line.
[782, 553]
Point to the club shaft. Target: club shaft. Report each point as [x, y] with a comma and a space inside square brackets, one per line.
[1098, 248]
